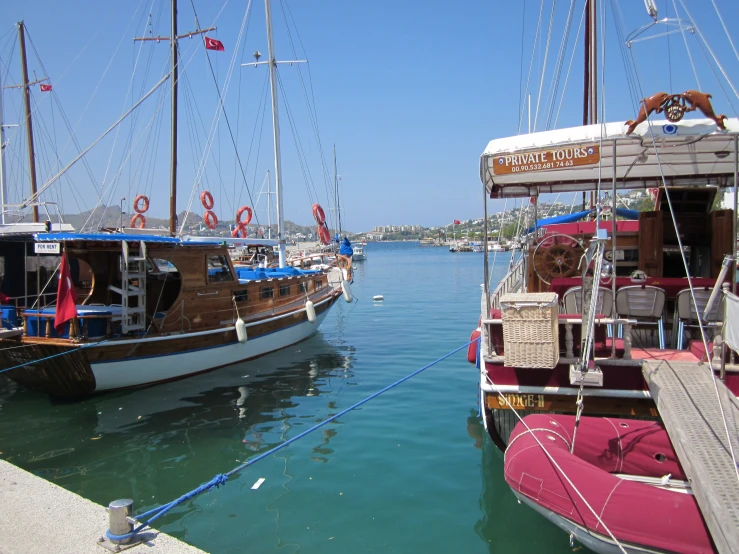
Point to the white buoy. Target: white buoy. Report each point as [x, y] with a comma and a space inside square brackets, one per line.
[347, 291]
[310, 311]
[241, 331]
[378, 298]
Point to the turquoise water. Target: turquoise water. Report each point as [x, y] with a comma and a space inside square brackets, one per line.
[410, 471]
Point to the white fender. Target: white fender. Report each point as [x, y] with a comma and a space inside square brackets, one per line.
[241, 330]
[347, 291]
[310, 311]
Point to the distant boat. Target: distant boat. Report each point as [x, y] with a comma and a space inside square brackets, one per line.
[359, 252]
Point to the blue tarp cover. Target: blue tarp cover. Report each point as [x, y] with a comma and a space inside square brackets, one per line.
[249, 274]
[577, 216]
[346, 248]
[115, 237]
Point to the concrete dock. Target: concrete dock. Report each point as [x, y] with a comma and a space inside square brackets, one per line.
[39, 516]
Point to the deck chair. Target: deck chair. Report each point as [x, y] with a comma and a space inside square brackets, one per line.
[572, 303]
[685, 315]
[645, 304]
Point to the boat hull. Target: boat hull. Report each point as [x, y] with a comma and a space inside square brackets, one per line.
[63, 371]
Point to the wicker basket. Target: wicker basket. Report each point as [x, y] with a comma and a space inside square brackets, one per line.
[530, 329]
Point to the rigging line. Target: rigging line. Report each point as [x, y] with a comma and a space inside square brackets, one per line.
[129, 91]
[692, 290]
[721, 19]
[520, 62]
[628, 68]
[669, 53]
[531, 63]
[238, 115]
[484, 373]
[560, 61]
[715, 58]
[261, 110]
[687, 48]
[544, 63]
[303, 159]
[718, 80]
[216, 117]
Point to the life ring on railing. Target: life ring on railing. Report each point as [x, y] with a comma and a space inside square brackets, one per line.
[319, 215]
[239, 231]
[324, 235]
[241, 211]
[138, 221]
[136, 207]
[211, 220]
[206, 198]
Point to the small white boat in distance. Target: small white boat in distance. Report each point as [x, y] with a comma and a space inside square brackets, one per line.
[378, 298]
[359, 253]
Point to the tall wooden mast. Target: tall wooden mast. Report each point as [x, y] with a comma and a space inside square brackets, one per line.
[173, 126]
[27, 107]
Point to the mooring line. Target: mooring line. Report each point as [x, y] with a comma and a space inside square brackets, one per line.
[74, 349]
[222, 478]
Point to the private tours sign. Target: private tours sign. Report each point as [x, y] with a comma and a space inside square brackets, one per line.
[545, 160]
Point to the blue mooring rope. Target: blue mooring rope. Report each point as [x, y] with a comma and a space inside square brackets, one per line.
[221, 478]
[75, 349]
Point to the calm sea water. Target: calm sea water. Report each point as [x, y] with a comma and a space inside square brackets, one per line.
[410, 471]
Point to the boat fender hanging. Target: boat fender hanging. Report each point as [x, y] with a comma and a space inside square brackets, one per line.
[241, 330]
[138, 221]
[241, 211]
[324, 235]
[211, 220]
[472, 348]
[346, 289]
[207, 200]
[319, 215]
[141, 209]
[310, 311]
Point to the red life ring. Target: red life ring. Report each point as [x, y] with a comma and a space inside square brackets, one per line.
[241, 211]
[136, 207]
[211, 220]
[207, 200]
[324, 235]
[139, 219]
[239, 231]
[319, 215]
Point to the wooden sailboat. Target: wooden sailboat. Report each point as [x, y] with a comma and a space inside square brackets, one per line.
[150, 308]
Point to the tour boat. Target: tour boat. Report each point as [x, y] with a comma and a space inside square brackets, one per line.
[129, 308]
[359, 252]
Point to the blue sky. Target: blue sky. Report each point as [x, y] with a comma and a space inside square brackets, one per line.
[410, 93]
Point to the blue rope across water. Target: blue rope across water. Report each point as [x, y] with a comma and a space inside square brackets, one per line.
[221, 478]
[82, 347]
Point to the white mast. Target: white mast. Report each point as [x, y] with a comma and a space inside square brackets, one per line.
[3, 186]
[276, 130]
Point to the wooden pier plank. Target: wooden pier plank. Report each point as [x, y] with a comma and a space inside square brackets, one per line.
[685, 395]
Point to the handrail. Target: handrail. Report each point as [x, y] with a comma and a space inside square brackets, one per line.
[513, 280]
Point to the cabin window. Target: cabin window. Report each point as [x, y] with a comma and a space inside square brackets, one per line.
[318, 284]
[218, 270]
[241, 295]
[303, 287]
[284, 290]
[267, 292]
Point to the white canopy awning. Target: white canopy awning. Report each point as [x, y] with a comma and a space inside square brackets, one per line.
[689, 152]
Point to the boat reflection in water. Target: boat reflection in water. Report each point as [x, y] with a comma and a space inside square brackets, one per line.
[151, 444]
[506, 525]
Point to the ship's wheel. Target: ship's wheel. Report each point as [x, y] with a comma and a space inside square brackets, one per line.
[557, 256]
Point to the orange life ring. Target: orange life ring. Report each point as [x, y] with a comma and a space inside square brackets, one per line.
[211, 220]
[239, 231]
[241, 211]
[140, 219]
[324, 235]
[207, 200]
[136, 207]
[319, 215]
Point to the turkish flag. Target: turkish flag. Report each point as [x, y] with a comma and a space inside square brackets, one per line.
[66, 296]
[45, 88]
[213, 44]
[457, 222]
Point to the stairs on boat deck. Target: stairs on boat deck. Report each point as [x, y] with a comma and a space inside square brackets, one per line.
[133, 288]
[686, 398]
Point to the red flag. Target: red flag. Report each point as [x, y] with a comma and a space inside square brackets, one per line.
[66, 296]
[457, 222]
[213, 44]
[45, 88]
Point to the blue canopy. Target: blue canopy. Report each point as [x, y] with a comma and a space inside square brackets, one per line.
[346, 248]
[117, 237]
[577, 216]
